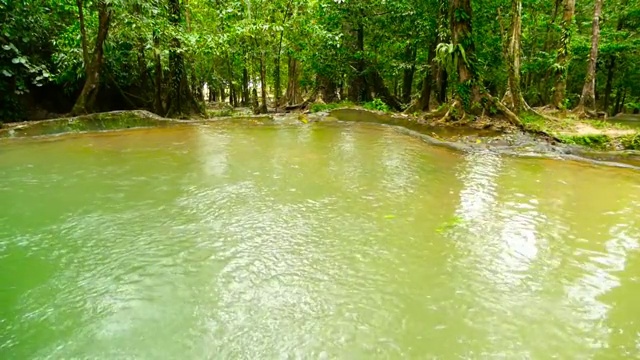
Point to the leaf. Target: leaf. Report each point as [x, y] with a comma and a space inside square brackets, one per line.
[7, 73]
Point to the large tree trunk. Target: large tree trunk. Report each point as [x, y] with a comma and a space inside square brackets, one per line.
[588, 98]
[407, 78]
[293, 94]
[513, 54]
[87, 100]
[562, 60]
[462, 36]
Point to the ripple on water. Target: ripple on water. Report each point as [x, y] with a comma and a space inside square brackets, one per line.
[311, 241]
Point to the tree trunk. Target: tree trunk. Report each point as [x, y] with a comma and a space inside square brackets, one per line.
[358, 89]
[245, 87]
[87, 99]
[407, 78]
[513, 52]
[180, 100]
[254, 101]
[620, 99]
[588, 98]
[381, 91]
[427, 83]
[328, 89]
[611, 70]
[468, 93]
[263, 84]
[83, 36]
[442, 82]
[157, 65]
[607, 89]
[395, 85]
[562, 60]
[276, 79]
[293, 88]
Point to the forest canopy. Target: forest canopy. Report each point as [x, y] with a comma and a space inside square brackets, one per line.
[85, 56]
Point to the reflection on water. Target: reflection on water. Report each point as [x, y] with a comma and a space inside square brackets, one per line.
[311, 241]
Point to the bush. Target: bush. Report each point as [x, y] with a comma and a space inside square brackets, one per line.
[376, 105]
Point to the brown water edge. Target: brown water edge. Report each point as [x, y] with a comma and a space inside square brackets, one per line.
[461, 139]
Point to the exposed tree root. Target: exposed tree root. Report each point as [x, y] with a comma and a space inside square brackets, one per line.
[581, 112]
[455, 112]
[305, 104]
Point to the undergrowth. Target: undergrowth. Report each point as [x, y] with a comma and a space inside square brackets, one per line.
[376, 105]
[596, 141]
[220, 113]
[319, 107]
[631, 142]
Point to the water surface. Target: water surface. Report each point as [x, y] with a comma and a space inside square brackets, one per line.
[310, 241]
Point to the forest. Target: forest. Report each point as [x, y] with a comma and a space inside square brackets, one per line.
[457, 56]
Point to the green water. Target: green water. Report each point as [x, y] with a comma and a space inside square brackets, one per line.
[316, 241]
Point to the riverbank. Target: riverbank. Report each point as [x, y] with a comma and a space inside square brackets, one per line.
[558, 142]
[498, 136]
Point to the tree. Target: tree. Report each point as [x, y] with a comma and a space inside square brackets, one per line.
[158, 54]
[86, 101]
[462, 50]
[588, 98]
[562, 63]
[513, 63]
[180, 100]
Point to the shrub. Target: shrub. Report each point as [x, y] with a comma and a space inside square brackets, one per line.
[376, 105]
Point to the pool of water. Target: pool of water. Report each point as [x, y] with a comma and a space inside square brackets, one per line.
[310, 241]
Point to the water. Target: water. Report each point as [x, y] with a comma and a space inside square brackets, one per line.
[316, 241]
[628, 120]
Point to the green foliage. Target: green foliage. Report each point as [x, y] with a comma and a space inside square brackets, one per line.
[597, 141]
[631, 142]
[320, 107]
[376, 105]
[220, 113]
[221, 41]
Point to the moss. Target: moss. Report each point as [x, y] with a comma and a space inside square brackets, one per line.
[597, 141]
[533, 122]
